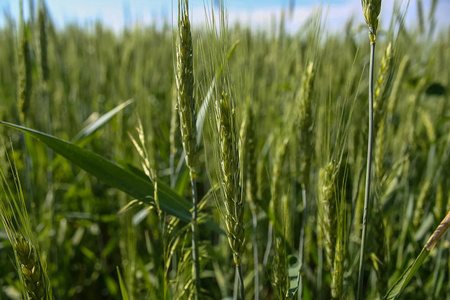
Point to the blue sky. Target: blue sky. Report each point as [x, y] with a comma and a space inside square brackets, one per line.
[258, 13]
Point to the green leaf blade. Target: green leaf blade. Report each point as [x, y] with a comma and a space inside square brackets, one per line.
[114, 175]
[123, 289]
[403, 281]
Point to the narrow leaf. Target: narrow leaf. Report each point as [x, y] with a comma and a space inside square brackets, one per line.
[123, 289]
[404, 279]
[114, 175]
[91, 128]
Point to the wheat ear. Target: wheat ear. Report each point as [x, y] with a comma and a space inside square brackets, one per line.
[230, 180]
[280, 282]
[328, 201]
[31, 269]
[380, 141]
[306, 144]
[247, 159]
[306, 124]
[43, 57]
[383, 82]
[16, 222]
[188, 117]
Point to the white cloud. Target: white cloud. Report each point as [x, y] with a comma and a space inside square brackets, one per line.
[335, 15]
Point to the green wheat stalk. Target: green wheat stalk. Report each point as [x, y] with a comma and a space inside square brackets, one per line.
[188, 119]
[371, 11]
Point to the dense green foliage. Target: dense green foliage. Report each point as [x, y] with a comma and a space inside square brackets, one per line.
[83, 237]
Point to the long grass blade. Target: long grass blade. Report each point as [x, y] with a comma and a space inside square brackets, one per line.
[409, 273]
[123, 289]
[91, 128]
[113, 174]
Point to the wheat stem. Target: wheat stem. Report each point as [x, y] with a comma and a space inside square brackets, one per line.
[255, 252]
[241, 281]
[195, 256]
[188, 117]
[368, 172]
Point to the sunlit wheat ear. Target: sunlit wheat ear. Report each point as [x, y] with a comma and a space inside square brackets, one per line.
[247, 159]
[185, 85]
[148, 159]
[229, 169]
[384, 80]
[337, 273]
[243, 152]
[188, 118]
[371, 11]
[329, 220]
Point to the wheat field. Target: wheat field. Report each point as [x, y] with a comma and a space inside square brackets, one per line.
[225, 162]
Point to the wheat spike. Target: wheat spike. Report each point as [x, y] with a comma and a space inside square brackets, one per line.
[383, 83]
[371, 11]
[306, 124]
[247, 159]
[16, 222]
[252, 167]
[276, 188]
[185, 85]
[188, 119]
[280, 281]
[31, 269]
[380, 141]
[329, 210]
[230, 181]
[337, 273]
[42, 20]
